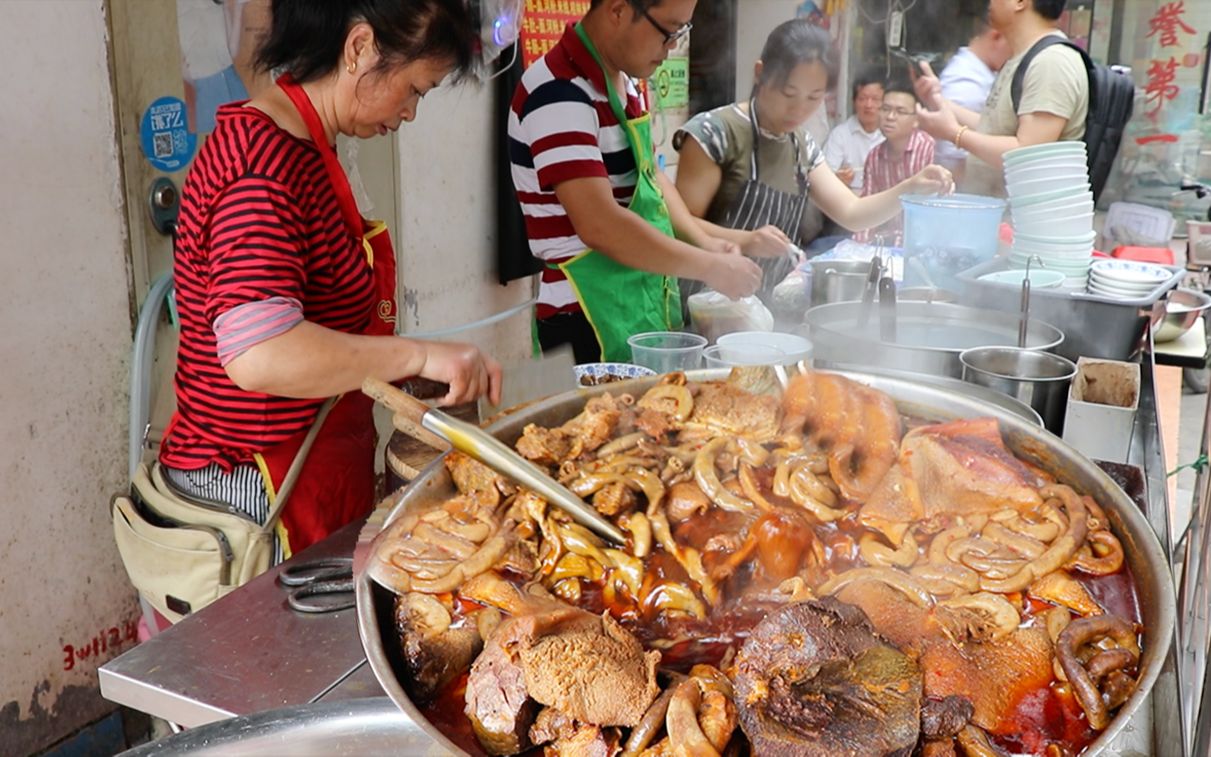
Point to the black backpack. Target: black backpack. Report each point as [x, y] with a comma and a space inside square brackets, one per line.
[1111, 101]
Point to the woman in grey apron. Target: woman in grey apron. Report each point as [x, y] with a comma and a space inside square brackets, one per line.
[753, 164]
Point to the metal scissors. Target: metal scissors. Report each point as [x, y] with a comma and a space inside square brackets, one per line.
[318, 586]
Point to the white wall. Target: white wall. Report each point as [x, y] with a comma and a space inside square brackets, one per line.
[445, 236]
[65, 319]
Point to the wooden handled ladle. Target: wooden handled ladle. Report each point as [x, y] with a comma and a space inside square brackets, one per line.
[431, 425]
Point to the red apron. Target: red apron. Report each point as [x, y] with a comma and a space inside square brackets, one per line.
[336, 485]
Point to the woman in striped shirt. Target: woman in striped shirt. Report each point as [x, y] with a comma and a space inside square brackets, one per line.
[286, 294]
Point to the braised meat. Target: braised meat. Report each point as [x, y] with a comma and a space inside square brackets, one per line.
[587, 667]
[962, 467]
[433, 652]
[944, 718]
[814, 679]
[592, 669]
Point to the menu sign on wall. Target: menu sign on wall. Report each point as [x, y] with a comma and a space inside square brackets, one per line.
[544, 23]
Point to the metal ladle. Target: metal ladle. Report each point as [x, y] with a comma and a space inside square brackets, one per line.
[1024, 326]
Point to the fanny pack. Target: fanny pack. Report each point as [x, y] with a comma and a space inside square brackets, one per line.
[182, 552]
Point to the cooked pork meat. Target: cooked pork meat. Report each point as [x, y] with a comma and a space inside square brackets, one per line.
[586, 432]
[479, 482]
[551, 725]
[498, 705]
[593, 670]
[587, 667]
[814, 679]
[723, 406]
[614, 498]
[943, 718]
[995, 675]
[433, 652]
[962, 467]
[586, 741]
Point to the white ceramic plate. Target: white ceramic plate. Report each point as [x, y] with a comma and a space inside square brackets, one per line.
[1040, 278]
[1132, 272]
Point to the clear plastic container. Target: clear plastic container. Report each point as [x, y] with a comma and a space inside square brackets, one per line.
[665, 351]
[946, 235]
[731, 355]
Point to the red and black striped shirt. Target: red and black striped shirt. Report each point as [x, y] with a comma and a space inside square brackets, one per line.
[259, 219]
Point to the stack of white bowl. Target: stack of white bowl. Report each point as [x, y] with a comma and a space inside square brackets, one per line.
[1052, 208]
[1126, 279]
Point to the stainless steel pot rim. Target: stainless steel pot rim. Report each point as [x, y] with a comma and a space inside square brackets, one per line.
[1052, 336]
[969, 356]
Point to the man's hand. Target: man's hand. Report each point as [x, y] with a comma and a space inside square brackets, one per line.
[733, 276]
[720, 246]
[766, 242]
[846, 175]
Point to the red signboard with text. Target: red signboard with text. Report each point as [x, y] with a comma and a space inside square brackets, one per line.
[544, 23]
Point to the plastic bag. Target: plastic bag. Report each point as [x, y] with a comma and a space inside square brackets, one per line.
[712, 314]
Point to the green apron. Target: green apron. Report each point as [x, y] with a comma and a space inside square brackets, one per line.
[618, 300]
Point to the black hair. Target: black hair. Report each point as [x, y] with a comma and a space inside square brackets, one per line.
[1050, 9]
[307, 37]
[899, 84]
[639, 6]
[866, 78]
[791, 44]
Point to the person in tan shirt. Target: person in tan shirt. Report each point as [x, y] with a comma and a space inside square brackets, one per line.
[1053, 107]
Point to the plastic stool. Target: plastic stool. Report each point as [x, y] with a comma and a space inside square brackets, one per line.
[1158, 255]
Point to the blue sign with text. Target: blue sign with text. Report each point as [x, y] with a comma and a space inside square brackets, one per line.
[165, 136]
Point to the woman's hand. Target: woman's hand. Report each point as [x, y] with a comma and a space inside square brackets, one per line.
[940, 124]
[766, 242]
[928, 87]
[932, 179]
[733, 275]
[470, 373]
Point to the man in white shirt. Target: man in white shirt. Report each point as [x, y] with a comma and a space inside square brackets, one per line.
[967, 80]
[853, 139]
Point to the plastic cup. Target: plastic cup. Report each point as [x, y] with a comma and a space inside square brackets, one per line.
[732, 355]
[665, 351]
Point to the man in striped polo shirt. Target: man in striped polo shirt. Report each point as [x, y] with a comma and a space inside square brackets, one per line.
[904, 152]
[608, 225]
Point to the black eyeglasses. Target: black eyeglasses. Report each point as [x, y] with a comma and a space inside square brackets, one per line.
[669, 36]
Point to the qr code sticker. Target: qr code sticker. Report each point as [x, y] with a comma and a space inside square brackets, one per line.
[161, 145]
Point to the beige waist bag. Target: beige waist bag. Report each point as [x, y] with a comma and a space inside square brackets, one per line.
[182, 553]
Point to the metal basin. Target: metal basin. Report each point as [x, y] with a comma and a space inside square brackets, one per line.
[1181, 311]
[1147, 562]
[1039, 379]
[929, 336]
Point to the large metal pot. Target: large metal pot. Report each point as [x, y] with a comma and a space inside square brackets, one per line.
[838, 280]
[929, 336]
[1143, 552]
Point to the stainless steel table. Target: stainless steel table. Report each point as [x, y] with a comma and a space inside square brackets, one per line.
[247, 653]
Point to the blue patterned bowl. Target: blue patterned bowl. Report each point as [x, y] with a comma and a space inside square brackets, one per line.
[591, 374]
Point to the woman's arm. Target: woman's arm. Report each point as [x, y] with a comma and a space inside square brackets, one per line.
[856, 213]
[698, 177]
[313, 361]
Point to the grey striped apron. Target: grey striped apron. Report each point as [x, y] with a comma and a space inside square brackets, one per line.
[759, 205]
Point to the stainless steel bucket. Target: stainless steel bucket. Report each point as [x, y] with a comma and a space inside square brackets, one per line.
[1039, 379]
[838, 280]
[1143, 552]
